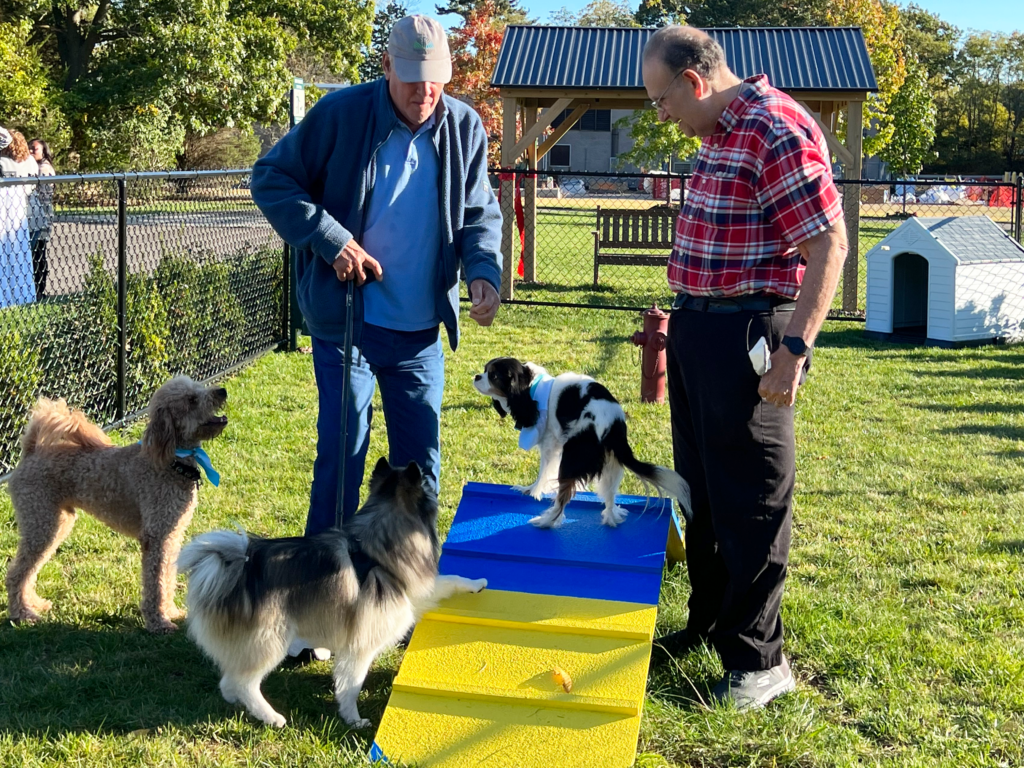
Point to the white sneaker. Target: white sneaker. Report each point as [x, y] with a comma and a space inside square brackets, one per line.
[299, 646]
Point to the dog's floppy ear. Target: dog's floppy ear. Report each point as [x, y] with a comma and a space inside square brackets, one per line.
[497, 406]
[159, 440]
[520, 404]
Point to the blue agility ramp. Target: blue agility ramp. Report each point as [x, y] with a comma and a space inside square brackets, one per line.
[550, 661]
[492, 538]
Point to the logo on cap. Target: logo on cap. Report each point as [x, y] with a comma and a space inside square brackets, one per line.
[423, 43]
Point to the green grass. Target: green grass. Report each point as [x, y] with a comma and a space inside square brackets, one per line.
[903, 608]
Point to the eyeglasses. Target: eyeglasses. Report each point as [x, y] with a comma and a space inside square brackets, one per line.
[657, 101]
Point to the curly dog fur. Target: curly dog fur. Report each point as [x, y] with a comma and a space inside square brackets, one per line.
[69, 463]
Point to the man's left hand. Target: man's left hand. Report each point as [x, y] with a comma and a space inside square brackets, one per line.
[778, 386]
[485, 302]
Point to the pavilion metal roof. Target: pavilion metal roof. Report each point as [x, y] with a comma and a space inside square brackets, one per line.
[795, 59]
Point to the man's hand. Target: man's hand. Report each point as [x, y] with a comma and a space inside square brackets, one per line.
[778, 386]
[485, 302]
[352, 261]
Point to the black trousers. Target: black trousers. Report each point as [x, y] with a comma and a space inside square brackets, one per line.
[40, 266]
[737, 452]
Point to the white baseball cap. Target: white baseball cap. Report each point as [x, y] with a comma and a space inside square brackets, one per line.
[418, 49]
[5, 138]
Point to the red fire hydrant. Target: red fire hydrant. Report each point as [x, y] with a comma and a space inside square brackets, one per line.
[652, 362]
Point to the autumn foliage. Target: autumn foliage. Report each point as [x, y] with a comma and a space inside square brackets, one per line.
[474, 48]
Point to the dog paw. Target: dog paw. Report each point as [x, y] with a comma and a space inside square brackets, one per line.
[175, 614]
[613, 516]
[161, 627]
[40, 606]
[24, 616]
[355, 722]
[526, 490]
[478, 585]
[547, 520]
[275, 719]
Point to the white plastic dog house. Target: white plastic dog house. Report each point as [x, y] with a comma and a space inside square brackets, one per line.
[948, 282]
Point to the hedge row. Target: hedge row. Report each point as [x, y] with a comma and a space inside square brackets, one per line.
[197, 315]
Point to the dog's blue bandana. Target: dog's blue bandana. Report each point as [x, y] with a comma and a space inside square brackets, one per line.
[202, 459]
[540, 392]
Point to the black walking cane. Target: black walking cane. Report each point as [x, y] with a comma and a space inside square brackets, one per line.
[346, 392]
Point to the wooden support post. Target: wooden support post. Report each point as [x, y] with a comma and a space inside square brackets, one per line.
[851, 204]
[508, 191]
[530, 201]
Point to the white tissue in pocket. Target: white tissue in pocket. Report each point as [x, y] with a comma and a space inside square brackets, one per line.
[761, 357]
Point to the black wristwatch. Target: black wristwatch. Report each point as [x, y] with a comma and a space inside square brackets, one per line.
[795, 344]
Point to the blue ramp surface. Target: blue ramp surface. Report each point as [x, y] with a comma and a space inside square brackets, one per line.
[492, 537]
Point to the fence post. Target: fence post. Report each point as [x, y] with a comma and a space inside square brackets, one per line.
[1020, 208]
[122, 293]
[287, 339]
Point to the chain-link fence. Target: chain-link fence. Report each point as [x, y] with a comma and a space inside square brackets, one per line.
[111, 283]
[603, 240]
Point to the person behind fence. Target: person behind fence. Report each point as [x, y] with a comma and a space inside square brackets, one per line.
[16, 284]
[40, 214]
[759, 248]
[388, 176]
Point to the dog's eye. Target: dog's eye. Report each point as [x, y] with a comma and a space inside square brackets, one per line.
[193, 399]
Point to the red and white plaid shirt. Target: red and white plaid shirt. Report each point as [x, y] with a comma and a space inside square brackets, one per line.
[762, 184]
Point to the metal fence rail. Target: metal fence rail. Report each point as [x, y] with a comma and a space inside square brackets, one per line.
[598, 239]
[111, 283]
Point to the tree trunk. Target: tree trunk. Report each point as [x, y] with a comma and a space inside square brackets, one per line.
[77, 38]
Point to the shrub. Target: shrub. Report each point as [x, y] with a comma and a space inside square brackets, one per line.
[78, 347]
[203, 314]
[19, 381]
[257, 283]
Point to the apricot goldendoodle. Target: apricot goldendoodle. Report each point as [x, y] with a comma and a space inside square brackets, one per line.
[147, 491]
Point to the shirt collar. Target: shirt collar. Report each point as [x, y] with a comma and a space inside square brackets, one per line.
[751, 89]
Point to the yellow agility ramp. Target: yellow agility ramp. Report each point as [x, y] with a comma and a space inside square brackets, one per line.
[547, 665]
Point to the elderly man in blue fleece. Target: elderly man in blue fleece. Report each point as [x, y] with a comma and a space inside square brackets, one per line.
[389, 177]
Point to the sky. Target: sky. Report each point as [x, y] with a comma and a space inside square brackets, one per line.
[989, 15]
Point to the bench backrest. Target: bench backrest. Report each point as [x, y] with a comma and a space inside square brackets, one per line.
[633, 228]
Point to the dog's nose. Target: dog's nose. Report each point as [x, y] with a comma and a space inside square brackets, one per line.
[477, 377]
[221, 392]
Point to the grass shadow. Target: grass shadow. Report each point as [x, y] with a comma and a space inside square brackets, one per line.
[114, 677]
[1005, 547]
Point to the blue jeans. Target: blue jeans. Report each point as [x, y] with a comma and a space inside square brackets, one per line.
[409, 368]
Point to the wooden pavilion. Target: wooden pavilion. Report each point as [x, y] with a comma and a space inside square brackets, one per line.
[544, 71]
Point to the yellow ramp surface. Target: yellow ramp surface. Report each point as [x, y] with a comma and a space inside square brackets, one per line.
[476, 684]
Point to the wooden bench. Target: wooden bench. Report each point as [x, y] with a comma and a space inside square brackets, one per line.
[631, 228]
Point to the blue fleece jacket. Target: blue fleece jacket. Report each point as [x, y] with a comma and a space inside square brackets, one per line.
[314, 187]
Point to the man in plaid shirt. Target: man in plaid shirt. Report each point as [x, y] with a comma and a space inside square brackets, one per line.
[760, 244]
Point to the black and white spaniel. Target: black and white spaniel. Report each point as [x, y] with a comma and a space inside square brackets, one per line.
[581, 430]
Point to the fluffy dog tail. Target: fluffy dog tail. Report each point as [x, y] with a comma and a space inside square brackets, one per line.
[53, 424]
[215, 562]
[664, 479]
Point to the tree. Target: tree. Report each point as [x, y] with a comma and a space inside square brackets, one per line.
[505, 11]
[881, 24]
[654, 142]
[372, 66]
[29, 101]
[156, 72]
[932, 42]
[659, 13]
[756, 13]
[474, 47]
[597, 13]
[914, 126]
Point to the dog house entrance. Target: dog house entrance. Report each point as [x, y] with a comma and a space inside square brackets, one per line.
[910, 295]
